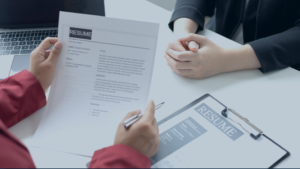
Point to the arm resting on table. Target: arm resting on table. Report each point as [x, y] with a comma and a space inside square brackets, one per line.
[278, 51]
[275, 52]
[195, 10]
[21, 95]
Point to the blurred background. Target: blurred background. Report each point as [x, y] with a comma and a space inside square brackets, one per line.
[169, 5]
[166, 4]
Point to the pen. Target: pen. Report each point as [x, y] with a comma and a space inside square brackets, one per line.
[131, 120]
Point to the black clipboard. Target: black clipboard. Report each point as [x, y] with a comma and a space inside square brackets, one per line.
[225, 113]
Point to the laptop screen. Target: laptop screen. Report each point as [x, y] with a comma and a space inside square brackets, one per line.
[43, 13]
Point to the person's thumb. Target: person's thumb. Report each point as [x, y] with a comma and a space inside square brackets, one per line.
[193, 46]
[198, 39]
[55, 51]
[149, 113]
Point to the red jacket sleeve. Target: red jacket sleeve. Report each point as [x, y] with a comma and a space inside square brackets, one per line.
[20, 96]
[119, 156]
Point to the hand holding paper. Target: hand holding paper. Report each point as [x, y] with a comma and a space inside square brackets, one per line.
[143, 135]
[103, 72]
[43, 61]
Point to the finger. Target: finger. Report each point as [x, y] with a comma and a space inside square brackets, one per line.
[55, 51]
[177, 46]
[178, 64]
[185, 46]
[149, 113]
[47, 54]
[154, 124]
[130, 114]
[193, 46]
[46, 44]
[156, 130]
[182, 56]
[182, 72]
[156, 134]
[199, 39]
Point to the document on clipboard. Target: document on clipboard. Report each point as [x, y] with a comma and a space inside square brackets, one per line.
[208, 134]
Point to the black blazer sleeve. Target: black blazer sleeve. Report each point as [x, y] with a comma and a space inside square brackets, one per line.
[280, 50]
[193, 9]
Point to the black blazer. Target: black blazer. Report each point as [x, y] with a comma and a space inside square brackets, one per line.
[271, 27]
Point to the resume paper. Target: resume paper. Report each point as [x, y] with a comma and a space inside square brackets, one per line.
[200, 137]
[103, 72]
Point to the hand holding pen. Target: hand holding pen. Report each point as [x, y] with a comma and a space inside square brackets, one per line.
[143, 135]
[131, 120]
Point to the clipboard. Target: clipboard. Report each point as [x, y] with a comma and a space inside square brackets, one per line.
[228, 113]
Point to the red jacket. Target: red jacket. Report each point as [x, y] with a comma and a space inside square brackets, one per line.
[20, 96]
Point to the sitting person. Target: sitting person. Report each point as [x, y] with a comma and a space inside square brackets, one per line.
[270, 31]
[24, 93]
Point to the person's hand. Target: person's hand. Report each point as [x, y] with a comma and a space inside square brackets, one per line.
[142, 135]
[43, 61]
[183, 27]
[180, 46]
[196, 64]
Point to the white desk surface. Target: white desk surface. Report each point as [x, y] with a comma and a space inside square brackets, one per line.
[270, 101]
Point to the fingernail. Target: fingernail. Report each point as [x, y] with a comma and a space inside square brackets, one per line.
[58, 45]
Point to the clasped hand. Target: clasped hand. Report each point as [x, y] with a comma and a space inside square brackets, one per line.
[187, 59]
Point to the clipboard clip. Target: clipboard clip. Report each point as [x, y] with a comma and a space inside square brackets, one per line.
[225, 114]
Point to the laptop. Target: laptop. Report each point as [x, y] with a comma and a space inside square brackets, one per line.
[24, 24]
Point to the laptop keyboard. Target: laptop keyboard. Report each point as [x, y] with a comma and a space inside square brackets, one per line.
[23, 42]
